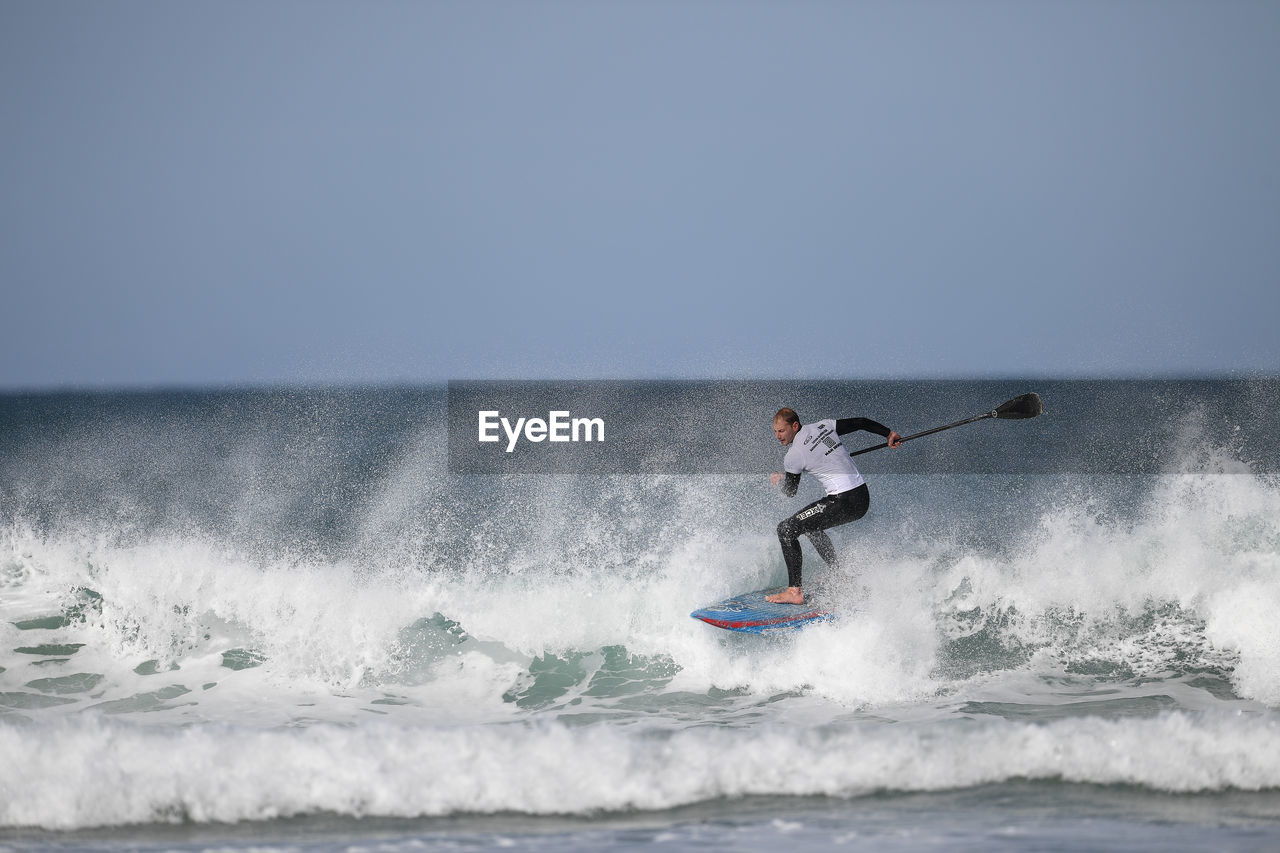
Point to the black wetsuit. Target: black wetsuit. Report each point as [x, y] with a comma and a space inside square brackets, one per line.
[827, 512]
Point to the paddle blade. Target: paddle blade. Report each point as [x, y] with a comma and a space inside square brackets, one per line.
[1025, 406]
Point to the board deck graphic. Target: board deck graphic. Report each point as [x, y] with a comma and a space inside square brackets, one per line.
[751, 613]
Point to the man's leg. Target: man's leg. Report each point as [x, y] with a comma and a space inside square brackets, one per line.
[822, 544]
[814, 520]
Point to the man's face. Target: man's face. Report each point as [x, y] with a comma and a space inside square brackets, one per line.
[785, 432]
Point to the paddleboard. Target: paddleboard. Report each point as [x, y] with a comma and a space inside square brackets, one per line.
[751, 613]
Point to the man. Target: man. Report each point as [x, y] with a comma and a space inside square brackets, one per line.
[816, 448]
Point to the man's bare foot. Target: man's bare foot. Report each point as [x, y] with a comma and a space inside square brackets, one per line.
[791, 595]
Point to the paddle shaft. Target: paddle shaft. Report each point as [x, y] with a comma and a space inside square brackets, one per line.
[981, 417]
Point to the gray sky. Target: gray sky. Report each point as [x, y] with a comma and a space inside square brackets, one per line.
[245, 192]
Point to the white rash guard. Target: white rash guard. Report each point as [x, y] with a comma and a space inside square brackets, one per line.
[817, 449]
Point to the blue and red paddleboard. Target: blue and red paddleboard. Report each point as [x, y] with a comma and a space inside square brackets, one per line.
[751, 613]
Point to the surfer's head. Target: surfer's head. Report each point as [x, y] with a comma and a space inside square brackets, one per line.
[785, 425]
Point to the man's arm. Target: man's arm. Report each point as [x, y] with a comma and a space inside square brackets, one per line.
[848, 425]
[790, 482]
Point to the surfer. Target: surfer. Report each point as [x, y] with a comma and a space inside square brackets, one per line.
[817, 448]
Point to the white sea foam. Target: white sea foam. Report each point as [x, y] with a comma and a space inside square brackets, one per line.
[90, 771]
[1206, 546]
[1200, 562]
[170, 598]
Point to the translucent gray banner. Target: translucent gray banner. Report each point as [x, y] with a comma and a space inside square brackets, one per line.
[709, 427]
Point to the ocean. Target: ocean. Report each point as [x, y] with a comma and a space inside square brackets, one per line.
[304, 619]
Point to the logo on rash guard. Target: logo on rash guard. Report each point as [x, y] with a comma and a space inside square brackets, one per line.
[826, 437]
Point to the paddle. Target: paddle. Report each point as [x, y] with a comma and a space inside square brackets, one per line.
[1024, 406]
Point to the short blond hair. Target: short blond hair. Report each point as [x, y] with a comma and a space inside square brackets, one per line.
[788, 415]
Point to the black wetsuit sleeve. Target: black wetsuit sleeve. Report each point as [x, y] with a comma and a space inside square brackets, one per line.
[847, 425]
[790, 483]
